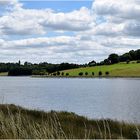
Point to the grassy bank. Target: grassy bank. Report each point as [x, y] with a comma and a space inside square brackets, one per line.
[17, 122]
[116, 70]
[3, 73]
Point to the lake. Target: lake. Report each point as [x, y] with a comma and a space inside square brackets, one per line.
[114, 98]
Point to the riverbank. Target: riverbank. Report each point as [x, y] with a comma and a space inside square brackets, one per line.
[17, 123]
[83, 77]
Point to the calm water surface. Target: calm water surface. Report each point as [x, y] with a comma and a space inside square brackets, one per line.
[95, 98]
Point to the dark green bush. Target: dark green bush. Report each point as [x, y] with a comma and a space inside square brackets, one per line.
[107, 73]
[86, 73]
[128, 61]
[58, 73]
[54, 74]
[67, 74]
[62, 73]
[100, 73]
[93, 73]
[35, 72]
[80, 73]
[138, 61]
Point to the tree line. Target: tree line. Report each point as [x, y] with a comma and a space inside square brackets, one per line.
[39, 69]
[115, 58]
[16, 69]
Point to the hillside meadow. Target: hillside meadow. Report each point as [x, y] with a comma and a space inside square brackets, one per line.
[116, 70]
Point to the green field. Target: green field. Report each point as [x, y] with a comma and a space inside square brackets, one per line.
[115, 70]
[20, 123]
[3, 73]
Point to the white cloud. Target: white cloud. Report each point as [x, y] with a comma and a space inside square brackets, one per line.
[62, 46]
[127, 9]
[124, 15]
[132, 28]
[77, 20]
[31, 21]
[110, 26]
[10, 4]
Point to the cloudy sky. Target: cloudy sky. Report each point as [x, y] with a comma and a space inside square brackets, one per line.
[67, 31]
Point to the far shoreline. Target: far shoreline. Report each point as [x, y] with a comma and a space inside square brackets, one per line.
[74, 77]
[86, 77]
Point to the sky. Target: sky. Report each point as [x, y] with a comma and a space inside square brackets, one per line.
[74, 31]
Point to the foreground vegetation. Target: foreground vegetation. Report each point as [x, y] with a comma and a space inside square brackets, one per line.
[116, 70]
[17, 122]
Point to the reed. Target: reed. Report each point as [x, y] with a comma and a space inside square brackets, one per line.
[19, 123]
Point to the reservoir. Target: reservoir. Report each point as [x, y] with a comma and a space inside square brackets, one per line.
[114, 98]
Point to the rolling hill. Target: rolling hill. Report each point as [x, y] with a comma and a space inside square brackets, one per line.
[116, 70]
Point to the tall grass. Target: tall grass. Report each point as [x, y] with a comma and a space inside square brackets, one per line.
[19, 123]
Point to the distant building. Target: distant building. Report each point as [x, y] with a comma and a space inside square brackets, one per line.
[92, 63]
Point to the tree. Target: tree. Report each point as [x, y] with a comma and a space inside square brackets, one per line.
[86, 73]
[107, 62]
[67, 74]
[106, 73]
[100, 73]
[128, 61]
[80, 73]
[19, 62]
[138, 54]
[20, 71]
[58, 73]
[101, 63]
[54, 74]
[132, 54]
[93, 73]
[114, 58]
[125, 57]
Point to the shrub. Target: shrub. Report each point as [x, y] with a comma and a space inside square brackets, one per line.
[93, 73]
[58, 73]
[39, 72]
[35, 72]
[86, 73]
[128, 61]
[138, 61]
[67, 74]
[106, 73]
[54, 74]
[62, 73]
[80, 73]
[42, 73]
[107, 62]
[100, 73]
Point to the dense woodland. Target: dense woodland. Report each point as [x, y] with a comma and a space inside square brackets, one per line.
[28, 68]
